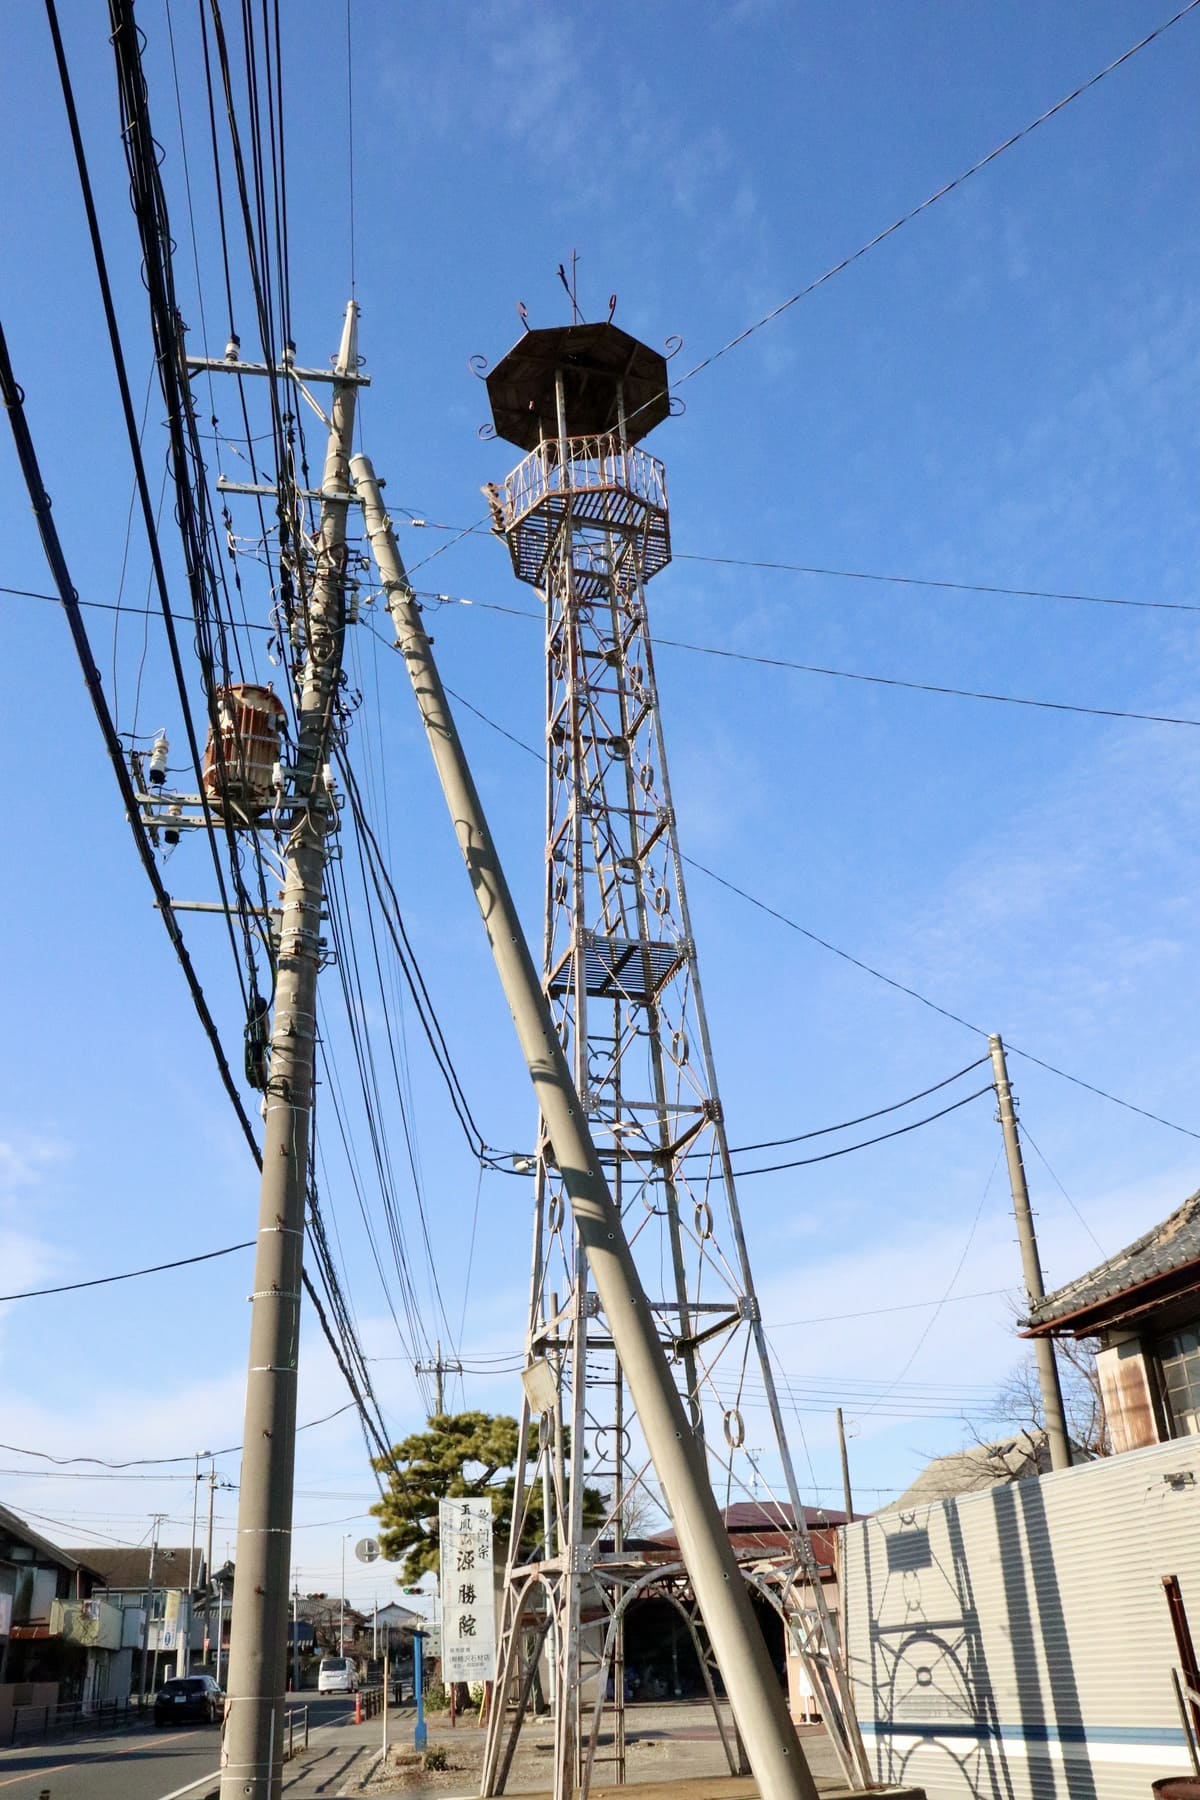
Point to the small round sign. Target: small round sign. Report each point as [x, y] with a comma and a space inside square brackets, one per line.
[367, 1550]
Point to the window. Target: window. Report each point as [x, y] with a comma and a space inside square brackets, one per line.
[1179, 1367]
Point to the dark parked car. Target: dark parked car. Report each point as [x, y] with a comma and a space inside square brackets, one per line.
[189, 1697]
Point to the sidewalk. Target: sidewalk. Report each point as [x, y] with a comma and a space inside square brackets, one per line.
[340, 1758]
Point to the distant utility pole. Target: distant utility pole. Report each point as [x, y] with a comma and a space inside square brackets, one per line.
[252, 1753]
[156, 1522]
[438, 1368]
[1047, 1367]
[847, 1497]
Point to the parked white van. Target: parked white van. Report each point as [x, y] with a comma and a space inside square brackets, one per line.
[336, 1675]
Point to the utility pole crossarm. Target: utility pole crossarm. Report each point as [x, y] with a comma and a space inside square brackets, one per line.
[438, 1368]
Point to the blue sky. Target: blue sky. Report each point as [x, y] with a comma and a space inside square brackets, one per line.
[1003, 393]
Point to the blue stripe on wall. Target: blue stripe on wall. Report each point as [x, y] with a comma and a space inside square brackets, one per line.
[1032, 1734]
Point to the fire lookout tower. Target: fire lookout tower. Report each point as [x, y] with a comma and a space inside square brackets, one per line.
[586, 522]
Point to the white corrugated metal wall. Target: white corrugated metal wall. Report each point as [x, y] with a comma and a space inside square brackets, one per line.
[1015, 1644]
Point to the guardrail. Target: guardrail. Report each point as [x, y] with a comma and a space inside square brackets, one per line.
[295, 1724]
[31, 1722]
[368, 1702]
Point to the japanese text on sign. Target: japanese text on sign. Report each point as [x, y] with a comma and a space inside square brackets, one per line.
[468, 1603]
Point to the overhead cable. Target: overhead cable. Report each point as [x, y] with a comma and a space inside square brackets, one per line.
[892, 681]
[146, 1462]
[927, 581]
[40, 500]
[149, 210]
[933, 1005]
[848, 1149]
[940, 194]
[928, 687]
[857, 962]
[825, 1130]
[181, 1262]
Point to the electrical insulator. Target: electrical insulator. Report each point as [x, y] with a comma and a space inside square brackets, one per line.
[158, 761]
[327, 776]
[233, 347]
[352, 607]
[171, 834]
[277, 781]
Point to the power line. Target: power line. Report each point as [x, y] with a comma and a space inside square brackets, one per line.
[941, 193]
[872, 1312]
[877, 974]
[928, 687]
[915, 994]
[892, 681]
[927, 581]
[136, 612]
[182, 1262]
[825, 1130]
[1026, 1133]
[51, 544]
[146, 1462]
[801, 1162]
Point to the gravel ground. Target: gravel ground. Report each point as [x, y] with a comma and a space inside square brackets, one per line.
[672, 1743]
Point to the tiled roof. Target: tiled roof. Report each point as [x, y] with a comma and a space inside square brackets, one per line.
[967, 1471]
[776, 1515]
[12, 1525]
[131, 1568]
[1170, 1246]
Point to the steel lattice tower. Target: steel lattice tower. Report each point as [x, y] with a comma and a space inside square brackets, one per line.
[586, 522]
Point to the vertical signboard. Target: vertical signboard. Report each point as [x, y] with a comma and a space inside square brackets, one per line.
[468, 1598]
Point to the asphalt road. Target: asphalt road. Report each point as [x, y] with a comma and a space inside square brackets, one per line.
[142, 1764]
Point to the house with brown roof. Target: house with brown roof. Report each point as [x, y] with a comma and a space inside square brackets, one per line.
[167, 1583]
[60, 1642]
[1143, 1307]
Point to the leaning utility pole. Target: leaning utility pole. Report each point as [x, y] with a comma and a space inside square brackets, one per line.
[847, 1496]
[1047, 1367]
[252, 1748]
[751, 1683]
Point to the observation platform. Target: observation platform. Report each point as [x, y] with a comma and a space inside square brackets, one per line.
[608, 492]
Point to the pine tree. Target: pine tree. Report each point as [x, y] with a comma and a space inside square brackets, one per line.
[461, 1456]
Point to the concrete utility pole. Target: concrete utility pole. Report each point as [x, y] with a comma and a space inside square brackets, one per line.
[157, 1521]
[1047, 1367]
[208, 1563]
[252, 1750]
[750, 1680]
[438, 1368]
[847, 1497]
[342, 1602]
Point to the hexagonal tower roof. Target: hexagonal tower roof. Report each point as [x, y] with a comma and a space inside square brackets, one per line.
[594, 359]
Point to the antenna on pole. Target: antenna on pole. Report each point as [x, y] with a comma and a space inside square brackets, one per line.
[571, 285]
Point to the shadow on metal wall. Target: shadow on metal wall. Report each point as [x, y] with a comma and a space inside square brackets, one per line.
[929, 1673]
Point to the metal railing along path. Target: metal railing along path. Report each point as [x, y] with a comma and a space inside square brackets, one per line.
[295, 1724]
[61, 1719]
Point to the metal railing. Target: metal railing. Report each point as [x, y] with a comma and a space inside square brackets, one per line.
[592, 463]
[295, 1724]
[369, 1702]
[61, 1718]
[1188, 1702]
